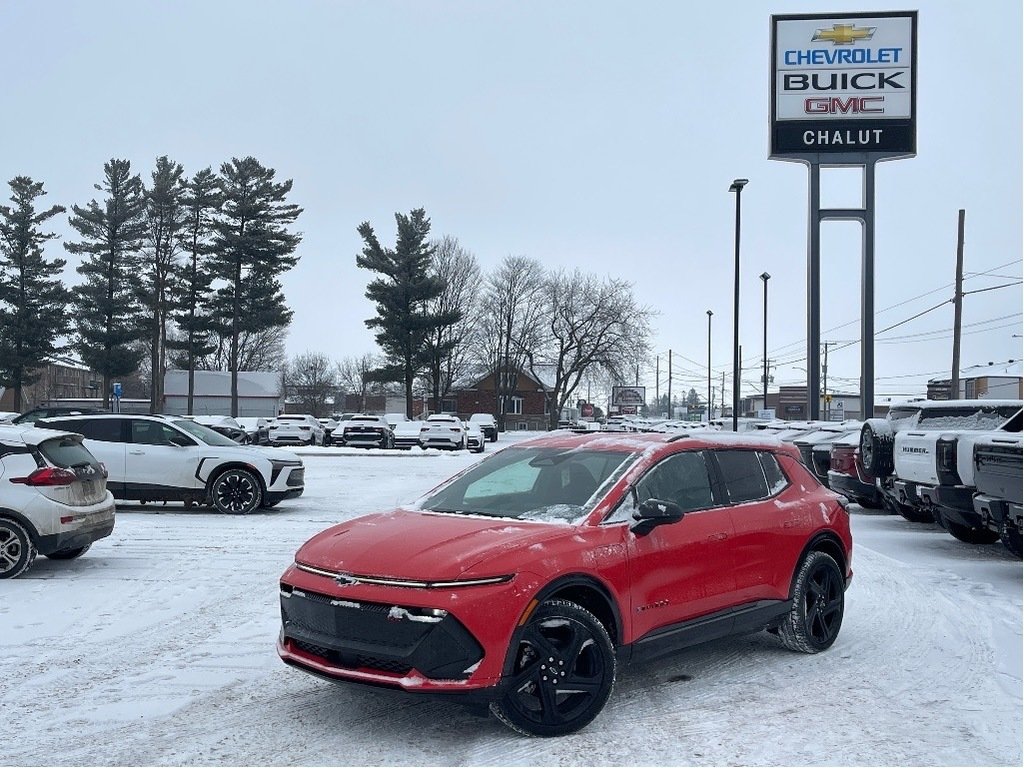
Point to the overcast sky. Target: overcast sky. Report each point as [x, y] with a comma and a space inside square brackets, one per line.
[590, 134]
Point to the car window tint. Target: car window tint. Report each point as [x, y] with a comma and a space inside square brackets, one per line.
[744, 478]
[681, 478]
[67, 452]
[151, 433]
[518, 477]
[104, 430]
[772, 472]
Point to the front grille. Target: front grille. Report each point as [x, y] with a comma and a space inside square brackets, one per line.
[354, 634]
[296, 478]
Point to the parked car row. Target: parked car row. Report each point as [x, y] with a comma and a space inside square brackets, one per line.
[928, 458]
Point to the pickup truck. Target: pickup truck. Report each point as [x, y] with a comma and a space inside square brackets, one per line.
[875, 457]
[998, 480]
[934, 461]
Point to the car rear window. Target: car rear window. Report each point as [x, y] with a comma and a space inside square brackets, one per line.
[744, 478]
[66, 452]
[772, 472]
[103, 430]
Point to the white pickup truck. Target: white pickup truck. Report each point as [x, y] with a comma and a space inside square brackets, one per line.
[998, 477]
[934, 461]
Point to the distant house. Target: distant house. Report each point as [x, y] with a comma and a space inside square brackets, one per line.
[59, 379]
[259, 393]
[995, 381]
[527, 407]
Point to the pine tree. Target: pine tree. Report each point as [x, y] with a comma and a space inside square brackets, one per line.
[191, 294]
[33, 300]
[401, 293]
[252, 247]
[165, 217]
[110, 318]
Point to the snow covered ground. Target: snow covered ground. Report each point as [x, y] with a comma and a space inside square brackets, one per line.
[157, 648]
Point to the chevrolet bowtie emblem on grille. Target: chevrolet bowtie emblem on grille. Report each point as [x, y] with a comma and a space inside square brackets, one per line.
[844, 34]
[345, 580]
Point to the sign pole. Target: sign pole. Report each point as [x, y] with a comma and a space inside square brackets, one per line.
[814, 293]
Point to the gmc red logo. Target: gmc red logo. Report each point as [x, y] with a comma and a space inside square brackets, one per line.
[834, 105]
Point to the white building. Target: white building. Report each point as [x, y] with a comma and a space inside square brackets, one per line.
[259, 393]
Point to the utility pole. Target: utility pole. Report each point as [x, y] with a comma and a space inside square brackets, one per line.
[958, 300]
[722, 400]
[657, 380]
[670, 383]
[824, 386]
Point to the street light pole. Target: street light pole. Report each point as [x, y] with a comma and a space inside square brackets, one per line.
[765, 277]
[737, 187]
[710, 313]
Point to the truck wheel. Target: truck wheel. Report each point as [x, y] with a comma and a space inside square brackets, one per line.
[913, 514]
[1011, 536]
[970, 535]
[876, 454]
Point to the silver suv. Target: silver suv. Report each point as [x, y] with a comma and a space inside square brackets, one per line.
[169, 458]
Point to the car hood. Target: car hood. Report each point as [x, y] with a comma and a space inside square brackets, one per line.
[423, 546]
[266, 452]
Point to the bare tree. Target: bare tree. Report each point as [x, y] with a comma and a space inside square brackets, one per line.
[313, 380]
[449, 346]
[257, 351]
[510, 323]
[355, 376]
[592, 323]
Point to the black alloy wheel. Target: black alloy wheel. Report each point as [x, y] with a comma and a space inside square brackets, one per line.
[16, 549]
[817, 614]
[236, 492]
[69, 554]
[563, 671]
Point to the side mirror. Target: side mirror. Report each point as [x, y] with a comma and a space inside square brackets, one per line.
[655, 512]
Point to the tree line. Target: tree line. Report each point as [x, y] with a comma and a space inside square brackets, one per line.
[182, 267]
[441, 320]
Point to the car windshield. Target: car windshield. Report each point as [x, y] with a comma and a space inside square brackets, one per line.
[549, 484]
[204, 434]
[982, 418]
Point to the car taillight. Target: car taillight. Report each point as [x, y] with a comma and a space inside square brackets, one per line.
[47, 476]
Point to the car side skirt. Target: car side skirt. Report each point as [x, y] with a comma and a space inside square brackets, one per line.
[739, 620]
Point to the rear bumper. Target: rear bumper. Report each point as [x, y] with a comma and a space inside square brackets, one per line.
[993, 512]
[92, 524]
[851, 487]
[908, 493]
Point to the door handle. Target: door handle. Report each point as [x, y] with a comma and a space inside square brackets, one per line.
[137, 453]
[721, 536]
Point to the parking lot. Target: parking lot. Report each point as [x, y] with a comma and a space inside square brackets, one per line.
[157, 647]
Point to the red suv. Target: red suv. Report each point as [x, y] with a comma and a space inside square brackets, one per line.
[524, 581]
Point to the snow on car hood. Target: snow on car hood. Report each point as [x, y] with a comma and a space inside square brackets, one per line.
[422, 546]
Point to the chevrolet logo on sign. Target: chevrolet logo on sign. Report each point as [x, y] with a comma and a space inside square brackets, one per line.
[844, 34]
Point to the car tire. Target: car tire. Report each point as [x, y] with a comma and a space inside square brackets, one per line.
[813, 622]
[1012, 540]
[236, 491]
[913, 514]
[561, 645]
[17, 552]
[970, 535]
[876, 448]
[69, 554]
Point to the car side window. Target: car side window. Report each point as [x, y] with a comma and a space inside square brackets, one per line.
[152, 433]
[772, 472]
[681, 478]
[743, 476]
[102, 430]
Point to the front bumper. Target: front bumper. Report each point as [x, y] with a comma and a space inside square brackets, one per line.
[419, 640]
[993, 512]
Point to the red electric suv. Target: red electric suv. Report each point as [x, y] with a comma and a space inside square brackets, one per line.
[524, 581]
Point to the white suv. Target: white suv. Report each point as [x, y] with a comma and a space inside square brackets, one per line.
[296, 429]
[168, 458]
[443, 430]
[53, 498]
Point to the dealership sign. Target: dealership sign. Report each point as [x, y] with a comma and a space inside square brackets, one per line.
[629, 395]
[844, 84]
